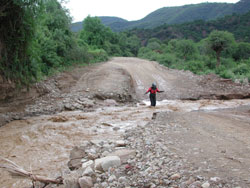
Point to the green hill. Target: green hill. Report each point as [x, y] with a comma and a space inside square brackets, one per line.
[238, 24]
[176, 15]
[106, 20]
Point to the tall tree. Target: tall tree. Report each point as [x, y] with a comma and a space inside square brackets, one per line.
[94, 32]
[17, 28]
[219, 41]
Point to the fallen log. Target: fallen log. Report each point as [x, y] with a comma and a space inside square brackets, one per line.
[17, 171]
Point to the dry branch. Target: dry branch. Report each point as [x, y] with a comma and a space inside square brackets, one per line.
[18, 171]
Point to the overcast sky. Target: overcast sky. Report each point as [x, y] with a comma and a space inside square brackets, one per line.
[126, 9]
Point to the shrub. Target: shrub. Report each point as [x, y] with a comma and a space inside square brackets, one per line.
[98, 55]
[196, 67]
[227, 74]
[167, 59]
[241, 69]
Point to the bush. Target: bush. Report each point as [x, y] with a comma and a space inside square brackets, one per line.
[98, 55]
[167, 59]
[228, 62]
[241, 69]
[78, 55]
[196, 67]
[227, 74]
[179, 64]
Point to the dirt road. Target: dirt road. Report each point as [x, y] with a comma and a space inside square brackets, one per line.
[77, 106]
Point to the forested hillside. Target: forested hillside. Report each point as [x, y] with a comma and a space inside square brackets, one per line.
[237, 24]
[176, 15]
[36, 41]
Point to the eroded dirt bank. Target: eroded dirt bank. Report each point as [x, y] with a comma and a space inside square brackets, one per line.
[204, 142]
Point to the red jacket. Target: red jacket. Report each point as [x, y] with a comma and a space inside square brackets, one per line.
[153, 91]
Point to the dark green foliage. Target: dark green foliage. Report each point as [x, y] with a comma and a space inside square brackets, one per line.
[99, 37]
[200, 58]
[17, 31]
[242, 51]
[239, 25]
[219, 41]
[186, 49]
[196, 66]
[35, 40]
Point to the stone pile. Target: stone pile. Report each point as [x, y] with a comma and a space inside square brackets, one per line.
[141, 159]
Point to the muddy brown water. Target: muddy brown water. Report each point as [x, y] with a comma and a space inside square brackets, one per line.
[42, 144]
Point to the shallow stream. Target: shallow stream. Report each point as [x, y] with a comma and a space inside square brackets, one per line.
[42, 144]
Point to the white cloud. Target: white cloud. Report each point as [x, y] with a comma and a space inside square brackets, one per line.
[126, 9]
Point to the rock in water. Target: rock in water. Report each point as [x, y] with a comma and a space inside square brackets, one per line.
[77, 153]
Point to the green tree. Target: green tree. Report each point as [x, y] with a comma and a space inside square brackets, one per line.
[242, 51]
[17, 30]
[186, 48]
[53, 35]
[154, 44]
[94, 33]
[133, 44]
[219, 41]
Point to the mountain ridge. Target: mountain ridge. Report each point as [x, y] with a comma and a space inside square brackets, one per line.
[174, 15]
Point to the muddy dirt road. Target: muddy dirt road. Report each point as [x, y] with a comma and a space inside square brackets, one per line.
[212, 136]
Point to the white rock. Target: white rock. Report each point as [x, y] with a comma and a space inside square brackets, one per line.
[103, 164]
[105, 154]
[85, 182]
[124, 154]
[122, 180]
[112, 178]
[104, 185]
[87, 164]
[120, 143]
[88, 171]
[215, 179]
[205, 185]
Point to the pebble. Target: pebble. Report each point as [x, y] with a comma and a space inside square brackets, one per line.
[85, 182]
[205, 185]
[112, 178]
[175, 176]
[122, 180]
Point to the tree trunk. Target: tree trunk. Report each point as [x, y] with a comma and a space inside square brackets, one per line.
[218, 58]
[1, 48]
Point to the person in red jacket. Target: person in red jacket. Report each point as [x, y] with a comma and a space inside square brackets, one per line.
[153, 90]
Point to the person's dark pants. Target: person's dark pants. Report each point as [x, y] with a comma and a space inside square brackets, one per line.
[152, 99]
